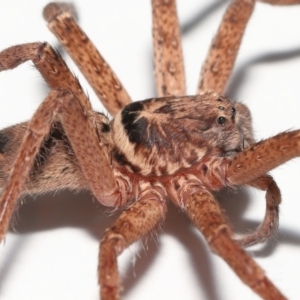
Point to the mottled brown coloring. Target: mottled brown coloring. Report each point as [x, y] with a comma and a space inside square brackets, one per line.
[176, 147]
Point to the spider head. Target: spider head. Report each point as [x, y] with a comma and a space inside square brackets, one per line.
[229, 127]
[162, 136]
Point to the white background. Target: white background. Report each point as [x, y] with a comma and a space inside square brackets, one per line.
[52, 252]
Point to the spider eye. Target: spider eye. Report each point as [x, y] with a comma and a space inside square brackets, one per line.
[221, 120]
[233, 110]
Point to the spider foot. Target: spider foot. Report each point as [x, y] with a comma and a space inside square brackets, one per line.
[52, 10]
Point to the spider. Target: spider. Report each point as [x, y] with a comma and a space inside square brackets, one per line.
[58, 139]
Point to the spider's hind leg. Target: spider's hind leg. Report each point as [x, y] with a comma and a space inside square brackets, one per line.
[89, 149]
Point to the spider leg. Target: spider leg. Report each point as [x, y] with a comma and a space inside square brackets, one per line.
[136, 221]
[49, 63]
[168, 58]
[270, 223]
[223, 51]
[214, 76]
[62, 105]
[260, 158]
[92, 65]
[204, 211]
[219, 62]
[33, 138]
[248, 167]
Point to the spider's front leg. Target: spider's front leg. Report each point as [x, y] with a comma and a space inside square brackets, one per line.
[262, 157]
[248, 168]
[135, 222]
[270, 223]
[206, 214]
[62, 106]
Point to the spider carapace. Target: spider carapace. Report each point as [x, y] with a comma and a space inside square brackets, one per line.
[191, 137]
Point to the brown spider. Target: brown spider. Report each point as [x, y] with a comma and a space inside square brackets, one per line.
[56, 144]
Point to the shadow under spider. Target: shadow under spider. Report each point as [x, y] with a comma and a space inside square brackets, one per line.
[179, 226]
[79, 211]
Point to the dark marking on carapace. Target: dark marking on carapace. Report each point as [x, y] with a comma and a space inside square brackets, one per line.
[165, 109]
[65, 169]
[120, 158]
[123, 161]
[163, 170]
[134, 127]
[132, 107]
[193, 158]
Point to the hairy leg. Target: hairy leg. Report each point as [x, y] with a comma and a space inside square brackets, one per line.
[136, 221]
[220, 59]
[248, 167]
[206, 214]
[168, 58]
[270, 223]
[262, 157]
[61, 105]
[49, 63]
[223, 51]
[92, 65]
